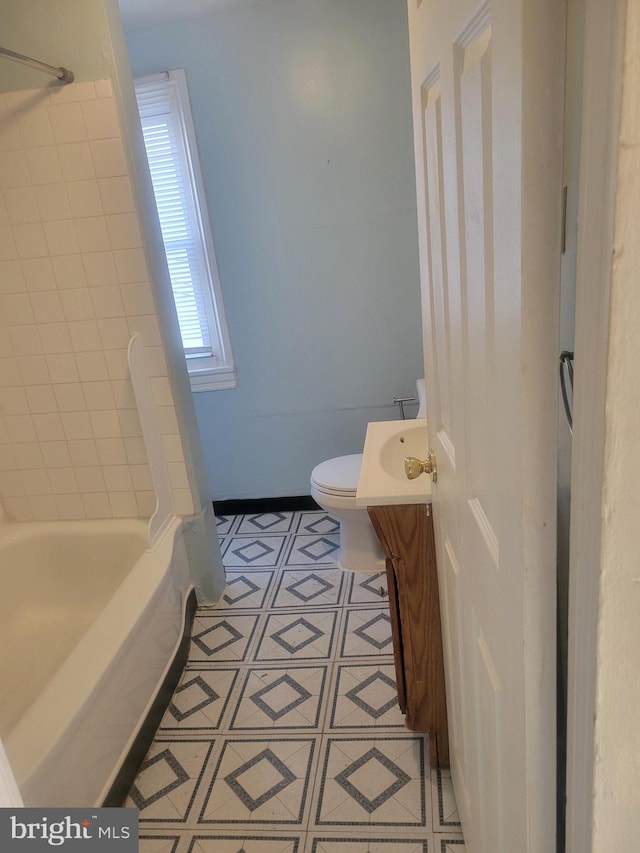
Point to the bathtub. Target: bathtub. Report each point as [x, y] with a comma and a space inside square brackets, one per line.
[90, 618]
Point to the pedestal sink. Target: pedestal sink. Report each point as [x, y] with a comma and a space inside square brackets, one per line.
[382, 478]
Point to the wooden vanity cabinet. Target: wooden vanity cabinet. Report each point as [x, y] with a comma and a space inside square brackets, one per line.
[405, 532]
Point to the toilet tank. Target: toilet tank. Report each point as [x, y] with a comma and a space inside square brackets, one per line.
[422, 399]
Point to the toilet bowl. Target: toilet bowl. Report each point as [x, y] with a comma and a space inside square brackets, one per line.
[333, 487]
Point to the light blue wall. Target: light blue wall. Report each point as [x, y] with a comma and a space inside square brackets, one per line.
[303, 116]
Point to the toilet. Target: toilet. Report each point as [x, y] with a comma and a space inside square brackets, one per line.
[333, 487]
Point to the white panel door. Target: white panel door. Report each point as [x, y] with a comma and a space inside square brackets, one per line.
[487, 100]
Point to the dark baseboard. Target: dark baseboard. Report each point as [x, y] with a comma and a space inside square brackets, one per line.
[141, 745]
[257, 505]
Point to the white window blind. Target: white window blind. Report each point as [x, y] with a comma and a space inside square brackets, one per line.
[167, 127]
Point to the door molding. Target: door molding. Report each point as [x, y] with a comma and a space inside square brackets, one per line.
[602, 89]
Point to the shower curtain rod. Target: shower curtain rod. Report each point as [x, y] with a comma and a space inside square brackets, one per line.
[63, 74]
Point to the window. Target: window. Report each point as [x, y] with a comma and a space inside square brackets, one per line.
[169, 138]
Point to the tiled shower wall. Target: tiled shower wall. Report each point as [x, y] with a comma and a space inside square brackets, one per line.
[74, 287]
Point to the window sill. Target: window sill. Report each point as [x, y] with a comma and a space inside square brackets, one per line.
[214, 379]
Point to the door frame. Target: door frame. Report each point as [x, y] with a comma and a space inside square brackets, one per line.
[602, 89]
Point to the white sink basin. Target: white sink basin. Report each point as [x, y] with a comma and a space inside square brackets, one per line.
[382, 477]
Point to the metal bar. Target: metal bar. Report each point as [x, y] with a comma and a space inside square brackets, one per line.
[63, 74]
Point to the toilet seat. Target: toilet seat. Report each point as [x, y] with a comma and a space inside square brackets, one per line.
[338, 476]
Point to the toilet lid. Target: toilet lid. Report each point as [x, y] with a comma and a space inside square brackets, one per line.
[339, 475]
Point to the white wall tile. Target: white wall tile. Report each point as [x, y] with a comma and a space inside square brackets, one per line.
[85, 91]
[61, 237]
[84, 453]
[183, 502]
[101, 119]
[97, 506]
[11, 484]
[30, 240]
[136, 451]
[70, 507]
[42, 166]
[4, 216]
[117, 478]
[123, 394]
[117, 364]
[138, 300]
[35, 127]
[16, 309]
[76, 425]
[103, 89]
[55, 338]
[48, 428]
[63, 481]
[18, 509]
[34, 369]
[98, 395]
[38, 274]
[8, 248]
[114, 333]
[36, 482]
[92, 234]
[20, 428]
[9, 373]
[46, 307]
[100, 269]
[123, 504]
[21, 205]
[41, 399]
[52, 201]
[106, 424]
[129, 423]
[141, 477]
[84, 198]
[69, 397]
[43, 508]
[92, 367]
[25, 340]
[16, 168]
[77, 305]
[69, 272]
[55, 454]
[131, 266]
[111, 451]
[9, 134]
[67, 123]
[63, 368]
[75, 161]
[13, 401]
[107, 301]
[124, 231]
[28, 455]
[108, 158]
[11, 277]
[116, 196]
[90, 479]
[83, 334]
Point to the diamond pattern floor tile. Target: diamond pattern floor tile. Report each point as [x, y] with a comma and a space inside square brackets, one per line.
[169, 776]
[365, 697]
[290, 636]
[253, 552]
[366, 633]
[199, 701]
[221, 638]
[377, 782]
[281, 698]
[317, 588]
[284, 734]
[260, 782]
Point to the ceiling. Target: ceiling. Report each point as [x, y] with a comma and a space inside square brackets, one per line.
[144, 13]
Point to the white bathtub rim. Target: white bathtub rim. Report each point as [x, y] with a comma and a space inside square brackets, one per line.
[143, 716]
[91, 657]
[20, 531]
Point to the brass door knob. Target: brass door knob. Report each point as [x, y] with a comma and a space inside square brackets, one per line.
[413, 467]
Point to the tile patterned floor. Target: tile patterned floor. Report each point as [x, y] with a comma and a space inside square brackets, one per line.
[284, 734]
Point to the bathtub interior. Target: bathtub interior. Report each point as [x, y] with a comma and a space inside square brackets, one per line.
[67, 746]
[60, 577]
